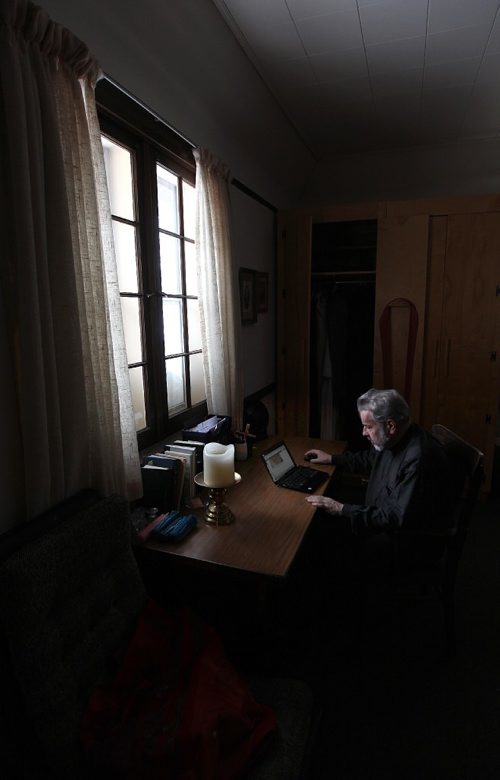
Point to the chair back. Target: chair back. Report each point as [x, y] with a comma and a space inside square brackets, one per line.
[467, 473]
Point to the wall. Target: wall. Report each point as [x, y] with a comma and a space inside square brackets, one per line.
[453, 169]
[254, 248]
[181, 60]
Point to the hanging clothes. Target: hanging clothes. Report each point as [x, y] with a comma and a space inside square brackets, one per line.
[339, 325]
[342, 323]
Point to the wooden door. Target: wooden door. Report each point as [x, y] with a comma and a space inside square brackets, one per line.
[461, 376]
[402, 260]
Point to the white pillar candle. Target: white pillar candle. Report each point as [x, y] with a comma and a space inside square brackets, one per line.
[218, 464]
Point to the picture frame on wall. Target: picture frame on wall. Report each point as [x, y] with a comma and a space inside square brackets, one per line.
[248, 302]
[262, 291]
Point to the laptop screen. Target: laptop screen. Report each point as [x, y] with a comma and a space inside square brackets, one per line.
[278, 461]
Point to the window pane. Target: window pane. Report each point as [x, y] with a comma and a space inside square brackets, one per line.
[193, 317]
[188, 198]
[132, 327]
[118, 163]
[170, 259]
[155, 332]
[172, 326]
[126, 257]
[138, 399]
[191, 277]
[176, 385]
[168, 215]
[198, 393]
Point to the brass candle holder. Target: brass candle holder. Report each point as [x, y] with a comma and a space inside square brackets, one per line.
[216, 511]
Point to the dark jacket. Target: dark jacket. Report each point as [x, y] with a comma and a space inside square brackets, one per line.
[409, 487]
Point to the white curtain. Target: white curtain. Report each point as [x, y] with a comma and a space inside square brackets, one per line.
[69, 420]
[218, 295]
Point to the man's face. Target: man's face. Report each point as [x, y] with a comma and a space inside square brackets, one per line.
[374, 431]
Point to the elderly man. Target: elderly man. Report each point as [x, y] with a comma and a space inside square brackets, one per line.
[408, 492]
[409, 484]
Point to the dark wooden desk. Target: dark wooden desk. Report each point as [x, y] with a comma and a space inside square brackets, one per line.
[270, 522]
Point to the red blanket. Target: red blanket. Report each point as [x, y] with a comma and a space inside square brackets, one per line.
[176, 708]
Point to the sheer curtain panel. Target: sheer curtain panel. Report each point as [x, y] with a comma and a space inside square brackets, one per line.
[219, 303]
[65, 391]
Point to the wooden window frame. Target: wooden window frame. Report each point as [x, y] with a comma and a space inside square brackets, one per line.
[151, 141]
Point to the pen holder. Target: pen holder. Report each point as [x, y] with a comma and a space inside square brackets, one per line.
[241, 450]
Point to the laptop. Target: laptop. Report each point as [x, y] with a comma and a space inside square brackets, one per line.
[284, 471]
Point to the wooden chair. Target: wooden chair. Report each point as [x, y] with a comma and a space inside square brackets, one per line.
[435, 575]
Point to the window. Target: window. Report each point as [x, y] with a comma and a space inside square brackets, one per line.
[150, 173]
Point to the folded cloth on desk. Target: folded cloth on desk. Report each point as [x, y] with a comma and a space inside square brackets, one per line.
[173, 526]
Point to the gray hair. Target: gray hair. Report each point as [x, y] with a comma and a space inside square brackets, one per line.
[384, 405]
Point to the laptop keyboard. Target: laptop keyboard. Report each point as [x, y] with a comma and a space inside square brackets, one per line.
[294, 480]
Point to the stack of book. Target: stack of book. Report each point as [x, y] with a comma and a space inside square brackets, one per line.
[168, 477]
[197, 445]
[187, 456]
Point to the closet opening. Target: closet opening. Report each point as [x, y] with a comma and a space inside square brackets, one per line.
[343, 264]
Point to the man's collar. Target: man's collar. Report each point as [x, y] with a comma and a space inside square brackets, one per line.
[400, 437]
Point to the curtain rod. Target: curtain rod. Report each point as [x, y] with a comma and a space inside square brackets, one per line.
[148, 109]
[240, 186]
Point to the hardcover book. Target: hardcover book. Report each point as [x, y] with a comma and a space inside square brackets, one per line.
[164, 461]
[199, 447]
[186, 450]
[159, 487]
[189, 487]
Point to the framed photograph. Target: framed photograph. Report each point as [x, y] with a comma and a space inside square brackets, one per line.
[248, 303]
[262, 291]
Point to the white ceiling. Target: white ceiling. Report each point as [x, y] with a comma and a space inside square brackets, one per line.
[359, 75]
